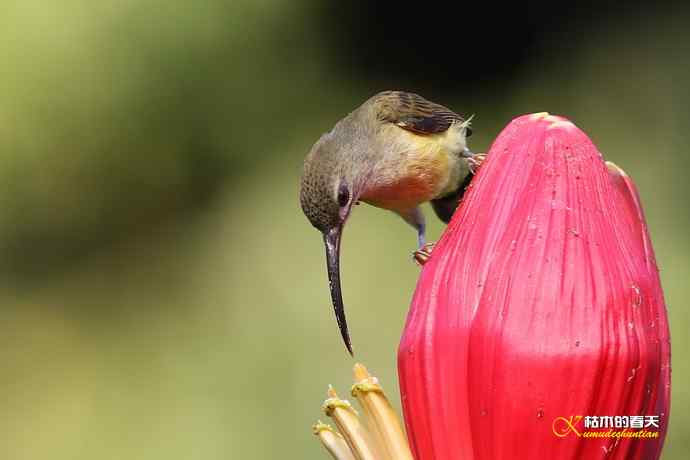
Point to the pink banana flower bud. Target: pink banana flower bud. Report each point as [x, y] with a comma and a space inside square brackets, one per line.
[538, 327]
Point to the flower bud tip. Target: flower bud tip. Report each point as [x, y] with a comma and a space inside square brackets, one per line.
[614, 168]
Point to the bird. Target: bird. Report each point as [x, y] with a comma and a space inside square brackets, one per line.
[395, 151]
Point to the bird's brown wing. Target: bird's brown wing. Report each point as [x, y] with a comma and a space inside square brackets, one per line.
[414, 113]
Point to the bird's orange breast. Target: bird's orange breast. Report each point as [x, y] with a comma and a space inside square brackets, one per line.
[420, 173]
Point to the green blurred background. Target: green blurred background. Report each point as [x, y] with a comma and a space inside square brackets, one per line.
[162, 295]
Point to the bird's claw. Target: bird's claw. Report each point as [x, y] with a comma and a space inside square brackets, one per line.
[475, 161]
[423, 254]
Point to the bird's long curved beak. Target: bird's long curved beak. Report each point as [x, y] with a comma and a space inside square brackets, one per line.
[332, 240]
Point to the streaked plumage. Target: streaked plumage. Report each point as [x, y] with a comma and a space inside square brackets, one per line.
[414, 113]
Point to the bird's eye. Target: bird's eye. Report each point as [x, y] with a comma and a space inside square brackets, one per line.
[468, 132]
[343, 195]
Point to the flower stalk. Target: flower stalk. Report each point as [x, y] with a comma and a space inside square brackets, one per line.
[333, 441]
[381, 418]
[376, 436]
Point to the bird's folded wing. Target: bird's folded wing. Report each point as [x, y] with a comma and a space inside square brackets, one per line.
[414, 113]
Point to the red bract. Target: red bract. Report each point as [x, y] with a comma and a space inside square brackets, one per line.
[541, 302]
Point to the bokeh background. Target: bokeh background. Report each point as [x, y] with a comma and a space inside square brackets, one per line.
[161, 294]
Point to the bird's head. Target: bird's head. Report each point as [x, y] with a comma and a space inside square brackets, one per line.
[331, 184]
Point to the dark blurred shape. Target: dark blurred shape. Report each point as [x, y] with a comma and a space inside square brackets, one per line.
[438, 48]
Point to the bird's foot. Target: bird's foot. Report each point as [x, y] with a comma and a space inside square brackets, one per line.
[476, 161]
[423, 254]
